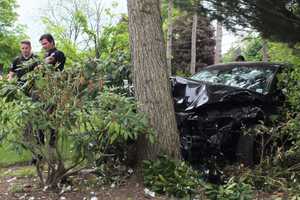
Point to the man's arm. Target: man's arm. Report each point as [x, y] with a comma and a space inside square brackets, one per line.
[60, 59]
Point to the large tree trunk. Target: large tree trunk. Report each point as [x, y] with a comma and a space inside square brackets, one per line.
[218, 50]
[151, 81]
[169, 36]
[194, 42]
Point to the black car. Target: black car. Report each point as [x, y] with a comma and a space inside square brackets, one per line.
[213, 105]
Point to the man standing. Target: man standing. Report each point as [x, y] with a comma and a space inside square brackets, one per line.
[18, 65]
[53, 56]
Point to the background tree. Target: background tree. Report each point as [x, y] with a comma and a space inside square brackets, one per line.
[274, 19]
[151, 82]
[10, 34]
[8, 14]
[192, 7]
[170, 36]
[251, 47]
[78, 25]
[115, 52]
[182, 43]
[219, 38]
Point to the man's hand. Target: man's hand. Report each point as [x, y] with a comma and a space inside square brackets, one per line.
[10, 75]
[50, 60]
[38, 67]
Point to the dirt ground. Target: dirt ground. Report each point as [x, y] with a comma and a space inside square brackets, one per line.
[27, 188]
[15, 185]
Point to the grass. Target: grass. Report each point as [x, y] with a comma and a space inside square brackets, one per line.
[26, 171]
[9, 156]
[16, 188]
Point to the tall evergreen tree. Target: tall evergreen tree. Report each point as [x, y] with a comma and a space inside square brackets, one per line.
[182, 43]
[275, 19]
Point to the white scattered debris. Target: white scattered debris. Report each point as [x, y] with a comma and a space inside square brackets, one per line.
[65, 189]
[94, 198]
[149, 192]
[45, 188]
[31, 198]
[23, 197]
[84, 198]
[113, 185]
[62, 198]
[130, 171]
[12, 179]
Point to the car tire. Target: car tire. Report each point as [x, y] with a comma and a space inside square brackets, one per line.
[245, 149]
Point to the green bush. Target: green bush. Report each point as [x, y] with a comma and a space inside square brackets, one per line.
[232, 190]
[174, 178]
[74, 107]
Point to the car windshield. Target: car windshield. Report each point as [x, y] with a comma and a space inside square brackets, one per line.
[248, 77]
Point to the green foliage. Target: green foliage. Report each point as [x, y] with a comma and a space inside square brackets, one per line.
[8, 15]
[10, 154]
[289, 79]
[253, 49]
[265, 16]
[84, 114]
[234, 189]
[174, 178]
[171, 177]
[9, 47]
[230, 55]
[115, 53]
[10, 34]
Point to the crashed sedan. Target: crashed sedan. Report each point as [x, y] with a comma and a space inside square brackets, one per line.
[215, 104]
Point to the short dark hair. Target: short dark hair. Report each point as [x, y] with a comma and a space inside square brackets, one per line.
[48, 37]
[240, 58]
[27, 42]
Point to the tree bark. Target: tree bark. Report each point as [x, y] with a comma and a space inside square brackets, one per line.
[194, 42]
[151, 81]
[265, 50]
[169, 36]
[218, 50]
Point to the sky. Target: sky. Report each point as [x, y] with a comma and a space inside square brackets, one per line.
[30, 12]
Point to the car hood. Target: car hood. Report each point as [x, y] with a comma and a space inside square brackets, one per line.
[190, 94]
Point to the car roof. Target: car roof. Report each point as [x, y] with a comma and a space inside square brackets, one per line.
[248, 64]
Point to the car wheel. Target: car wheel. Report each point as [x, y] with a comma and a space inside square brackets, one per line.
[245, 149]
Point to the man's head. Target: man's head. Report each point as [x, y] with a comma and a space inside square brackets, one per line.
[240, 58]
[25, 47]
[47, 41]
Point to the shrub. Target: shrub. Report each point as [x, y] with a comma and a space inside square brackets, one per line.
[66, 116]
[171, 177]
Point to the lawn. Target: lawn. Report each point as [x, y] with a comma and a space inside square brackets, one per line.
[9, 156]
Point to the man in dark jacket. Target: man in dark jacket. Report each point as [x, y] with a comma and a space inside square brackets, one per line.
[53, 56]
[19, 66]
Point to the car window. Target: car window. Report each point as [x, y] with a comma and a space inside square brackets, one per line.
[252, 78]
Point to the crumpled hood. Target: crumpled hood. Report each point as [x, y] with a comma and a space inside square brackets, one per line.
[189, 94]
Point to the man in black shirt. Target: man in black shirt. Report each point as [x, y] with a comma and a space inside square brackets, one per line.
[19, 66]
[53, 56]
